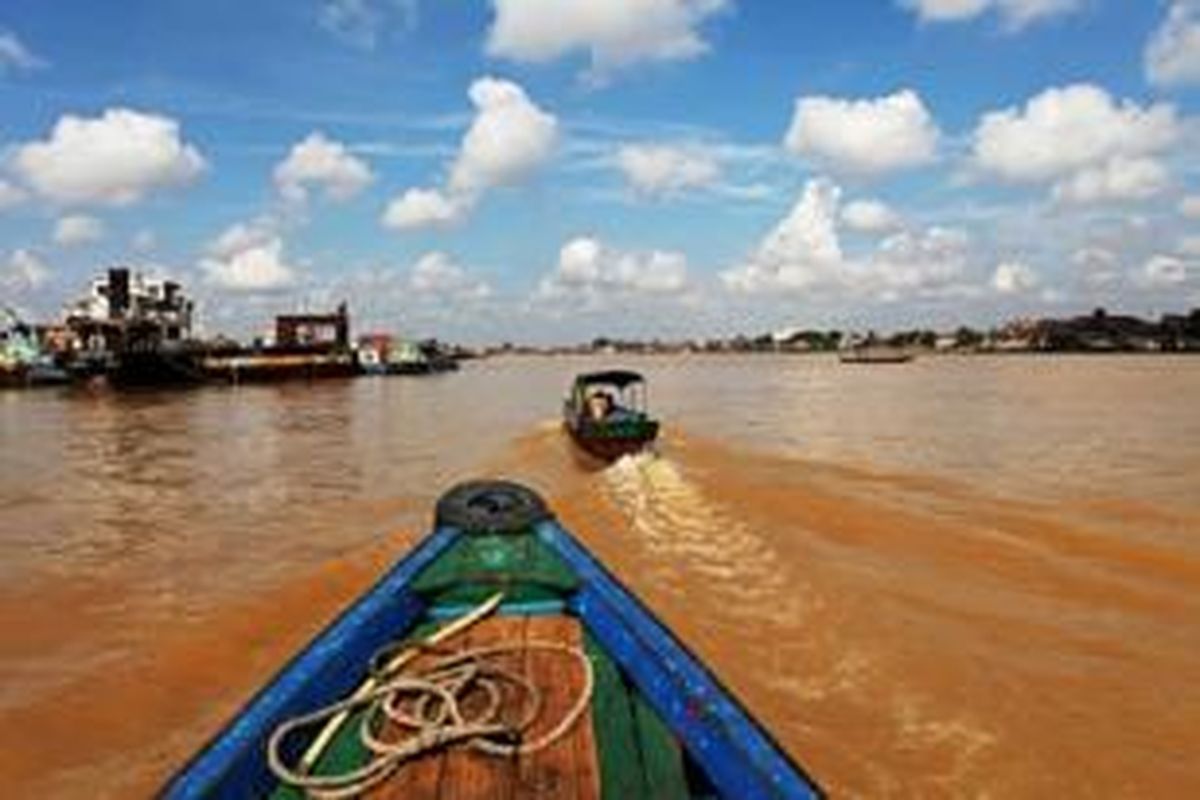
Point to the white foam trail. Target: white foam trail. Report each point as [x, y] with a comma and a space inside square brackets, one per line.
[691, 533]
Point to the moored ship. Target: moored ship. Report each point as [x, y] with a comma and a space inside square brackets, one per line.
[306, 347]
[134, 331]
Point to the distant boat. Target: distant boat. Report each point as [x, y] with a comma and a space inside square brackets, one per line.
[380, 354]
[40, 371]
[23, 363]
[875, 354]
[435, 709]
[605, 414]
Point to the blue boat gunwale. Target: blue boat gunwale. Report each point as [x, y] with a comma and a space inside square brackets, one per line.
[699, 709]
[203, 773]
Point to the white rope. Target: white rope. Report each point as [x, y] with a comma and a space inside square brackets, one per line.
[430, 703]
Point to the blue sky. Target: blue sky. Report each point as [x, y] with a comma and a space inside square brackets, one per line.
[638, 167]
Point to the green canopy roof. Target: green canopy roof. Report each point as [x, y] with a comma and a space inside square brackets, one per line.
[615, 377]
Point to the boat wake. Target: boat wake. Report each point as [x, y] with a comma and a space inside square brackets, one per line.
[696, 542]
[823, 593]
[741, 576]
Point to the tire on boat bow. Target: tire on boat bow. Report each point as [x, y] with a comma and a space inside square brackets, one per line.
[491, 506]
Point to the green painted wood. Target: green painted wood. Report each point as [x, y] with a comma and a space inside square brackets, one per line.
[477, 566]
[638, 754]
[621, 775]
[346, 752]
[662, 760]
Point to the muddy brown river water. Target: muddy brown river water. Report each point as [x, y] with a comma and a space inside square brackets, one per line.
[968, 577]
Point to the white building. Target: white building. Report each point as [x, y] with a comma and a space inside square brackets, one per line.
[122, 306]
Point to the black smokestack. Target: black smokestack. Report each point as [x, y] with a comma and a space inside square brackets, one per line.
[118, 291]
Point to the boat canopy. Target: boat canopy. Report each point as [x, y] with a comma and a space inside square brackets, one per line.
[613, 377]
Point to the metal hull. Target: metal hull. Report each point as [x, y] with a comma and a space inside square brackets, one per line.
[410, 368]
[156, 368]
[13, 378]
[32, 377]
[265, 369]
[876, 359]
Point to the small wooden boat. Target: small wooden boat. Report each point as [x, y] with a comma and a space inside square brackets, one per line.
[605, 413]
[631, 712]
[875, 354]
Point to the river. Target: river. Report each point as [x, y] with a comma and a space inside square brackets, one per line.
[965, 576]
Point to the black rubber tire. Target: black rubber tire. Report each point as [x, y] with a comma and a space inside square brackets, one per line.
[490, 506]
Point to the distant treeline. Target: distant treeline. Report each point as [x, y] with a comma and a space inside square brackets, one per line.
[1096, 332]
[1105, 332]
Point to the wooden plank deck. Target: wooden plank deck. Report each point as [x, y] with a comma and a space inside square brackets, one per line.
[618, 750]
[567, 769]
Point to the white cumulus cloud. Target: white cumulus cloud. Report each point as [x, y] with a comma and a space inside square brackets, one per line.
[864, 136]
[803, 252]
[509, 138]
[114, 159]
[946, 10]
[1013, 277]
[1120, 178]
[615, 34]
[1079, 136]
[1161, 271]
[587, 266]
[423, 208]
[1066, 129]
[1172, 55]
[657, 170]
[436, 273]
[23, 271]
[870, 216]
[248, 257]
[914, 262]
[78, 229]
[318, 161]
[1015, 14]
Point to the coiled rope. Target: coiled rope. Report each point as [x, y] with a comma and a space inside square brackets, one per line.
[430, 702]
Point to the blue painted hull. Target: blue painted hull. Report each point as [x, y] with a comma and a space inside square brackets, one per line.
[737, 757]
